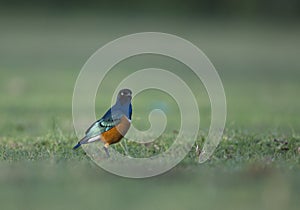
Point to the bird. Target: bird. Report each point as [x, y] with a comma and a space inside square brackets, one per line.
[113, 125]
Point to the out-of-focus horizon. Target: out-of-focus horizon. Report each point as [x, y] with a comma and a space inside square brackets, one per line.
[193, 8]
[254, 46]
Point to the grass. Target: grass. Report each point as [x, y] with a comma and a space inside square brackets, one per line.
[256, 165]
[236, 150]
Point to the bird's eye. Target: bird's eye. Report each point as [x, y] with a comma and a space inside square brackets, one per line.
[122, 93]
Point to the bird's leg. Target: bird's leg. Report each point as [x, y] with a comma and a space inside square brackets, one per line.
[125, 149]
[106, 149]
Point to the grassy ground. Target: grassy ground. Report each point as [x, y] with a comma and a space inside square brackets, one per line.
[256, 166]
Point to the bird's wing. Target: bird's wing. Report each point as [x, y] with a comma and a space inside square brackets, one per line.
[130, 111]
[107, 122]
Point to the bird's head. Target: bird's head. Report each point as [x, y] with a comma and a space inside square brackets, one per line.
[124, 96]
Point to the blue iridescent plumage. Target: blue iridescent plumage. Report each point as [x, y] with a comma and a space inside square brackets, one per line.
[110, 119]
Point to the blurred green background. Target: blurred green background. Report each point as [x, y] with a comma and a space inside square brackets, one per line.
[254, 45]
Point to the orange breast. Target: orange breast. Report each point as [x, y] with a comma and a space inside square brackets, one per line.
[115, 134]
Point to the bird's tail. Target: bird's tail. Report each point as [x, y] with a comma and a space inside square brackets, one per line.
[77, 145]
[82, 141]
[86, 140]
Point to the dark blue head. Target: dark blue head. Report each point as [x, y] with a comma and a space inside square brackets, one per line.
[124, 97]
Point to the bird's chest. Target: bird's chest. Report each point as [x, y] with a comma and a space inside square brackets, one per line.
[115, 134]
